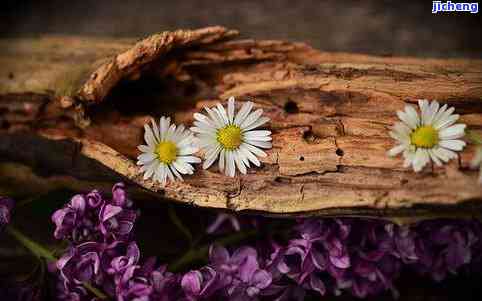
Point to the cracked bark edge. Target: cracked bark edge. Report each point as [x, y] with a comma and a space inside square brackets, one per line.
[180, 191]
[125, 64]
[316, 204]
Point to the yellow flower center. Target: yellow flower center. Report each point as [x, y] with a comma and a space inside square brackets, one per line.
[166, 152]
[230, 137]
[425, 137]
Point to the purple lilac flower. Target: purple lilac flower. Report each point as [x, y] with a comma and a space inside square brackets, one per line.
[166, 285]
[324, 256]
[241, 276]
[81, 264]
[90, 217]
[222, 219]
[444, 247]
[200, 284]
[6, 207]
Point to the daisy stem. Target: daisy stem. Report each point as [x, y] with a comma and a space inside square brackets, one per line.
[40, 251]
[179, 224]
[201, 252]
[97, 292]
[35, 248]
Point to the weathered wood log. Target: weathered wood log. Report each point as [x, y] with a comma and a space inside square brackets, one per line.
[330, 115]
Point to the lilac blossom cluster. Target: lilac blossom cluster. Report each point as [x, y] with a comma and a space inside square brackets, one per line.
[362, 257]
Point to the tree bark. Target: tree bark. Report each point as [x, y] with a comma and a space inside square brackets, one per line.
[76, 107]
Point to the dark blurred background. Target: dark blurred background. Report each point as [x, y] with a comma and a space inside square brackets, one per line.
[369, 26]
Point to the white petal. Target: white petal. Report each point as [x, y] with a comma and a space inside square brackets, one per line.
[221, 117]
[433, 110]
[243, 157]
[249, 155]
[231, 109]
[161, 174]
[145, 148]
[421, 158]
[215, 118]
[409, 116]
[170, 132]
[204, 120]
[254, 150]
[179, 133]
[222, 157]
[177, 174]
[412, 115]
[146, 157]
[164, 123]
[257, 123]
[243, 113]
[182, 167]
[396, 150]
[453, 132]
[424, 107]
[456, 145]
[211, 156]
[204, 126]
[239, 162]
[434, 157]
[230, 168]
[253, 117]
[155, 130]
[440, 113]
[262, 144]
[207, 142]
[202, 130]
[258, 135]
[446, 121]
[187, 150]
[150, 169]
[169, 174]
[187, 140]
[444, 154]
[222, 113]
[447, 113]
[189, 159]
[401, 132]
[149, 136]
[409, 156]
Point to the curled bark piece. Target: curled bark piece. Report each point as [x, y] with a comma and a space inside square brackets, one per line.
[330, 116]
[143, 53]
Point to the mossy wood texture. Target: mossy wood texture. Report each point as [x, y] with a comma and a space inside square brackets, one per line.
[330, 116]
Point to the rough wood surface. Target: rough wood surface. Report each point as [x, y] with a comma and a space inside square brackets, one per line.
[330, 117]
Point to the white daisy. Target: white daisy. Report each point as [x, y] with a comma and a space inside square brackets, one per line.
[477, 162]
[431, 137]
[232, 138]
[168, 153]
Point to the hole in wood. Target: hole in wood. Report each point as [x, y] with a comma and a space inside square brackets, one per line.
[309, 136]
[339, 152]
[291, 107]
[302, 158]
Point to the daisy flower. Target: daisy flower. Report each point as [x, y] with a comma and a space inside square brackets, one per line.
[231, 137]
[432, 136]
[168, 153]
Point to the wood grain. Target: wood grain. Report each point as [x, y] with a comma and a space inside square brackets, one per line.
[330, 115]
